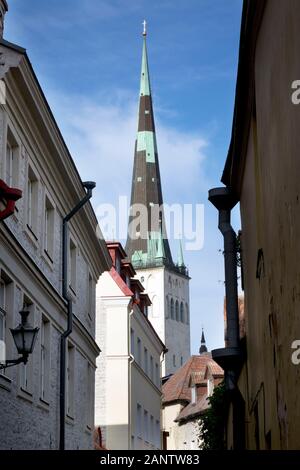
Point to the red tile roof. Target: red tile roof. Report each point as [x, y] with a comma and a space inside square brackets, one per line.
[177, 387]
[193, 409]
[195, 372]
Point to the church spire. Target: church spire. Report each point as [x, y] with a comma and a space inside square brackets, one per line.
[203, 348]
[150, 246]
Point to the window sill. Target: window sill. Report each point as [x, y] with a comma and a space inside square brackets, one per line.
[5, 382]
[47, 258]
[70, 420]
[31, 235]
[25, 394]
[43, 404]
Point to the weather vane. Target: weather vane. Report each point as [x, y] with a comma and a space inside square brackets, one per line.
[145, 28]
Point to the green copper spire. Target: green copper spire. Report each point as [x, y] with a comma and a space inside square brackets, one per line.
[152, 249]
[145, 80]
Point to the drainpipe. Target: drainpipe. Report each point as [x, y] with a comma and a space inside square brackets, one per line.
[229, 357]
[89, 186]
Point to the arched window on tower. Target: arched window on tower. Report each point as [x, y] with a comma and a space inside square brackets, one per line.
[177, 310]
[187, 314]
[172, 309]
[181, 312]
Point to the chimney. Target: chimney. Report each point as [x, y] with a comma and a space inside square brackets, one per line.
[3, 10]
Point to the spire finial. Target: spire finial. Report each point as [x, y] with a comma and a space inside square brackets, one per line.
[203, 348]
[145, 28]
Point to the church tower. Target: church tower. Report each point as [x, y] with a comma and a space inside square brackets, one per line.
[166, 283]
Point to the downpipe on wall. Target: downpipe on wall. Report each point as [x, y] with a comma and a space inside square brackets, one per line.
[89, 186]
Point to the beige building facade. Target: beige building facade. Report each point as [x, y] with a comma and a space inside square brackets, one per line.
[262, 170]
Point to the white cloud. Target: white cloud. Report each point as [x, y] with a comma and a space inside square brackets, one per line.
[101, 134]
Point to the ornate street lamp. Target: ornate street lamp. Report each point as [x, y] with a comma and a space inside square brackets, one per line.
[24, 336]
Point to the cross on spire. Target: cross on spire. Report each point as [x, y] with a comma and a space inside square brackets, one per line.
[145, 28]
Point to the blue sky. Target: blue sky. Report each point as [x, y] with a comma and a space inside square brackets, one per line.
[87, 56]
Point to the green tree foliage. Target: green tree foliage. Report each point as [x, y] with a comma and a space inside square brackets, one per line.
[211, 436]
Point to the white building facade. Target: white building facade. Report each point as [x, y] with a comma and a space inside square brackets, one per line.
[35, 159]
[128, 387]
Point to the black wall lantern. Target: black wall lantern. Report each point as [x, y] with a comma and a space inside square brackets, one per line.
[24, 336]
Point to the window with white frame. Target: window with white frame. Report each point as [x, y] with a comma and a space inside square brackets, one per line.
[157, 434]
[139, 420]
[146, 361]
[45, 359]
[70, 358]
[26, 370]
[157, 375]
[146, 426]
[2, 320]
[194, 394]
[91, 297]
[151, 369]
[210, 387]
[49, 228]
[11, 161]
[132, 341]
[151, 429]
[89, 401]
[139, 351]
[72, 265]
[32, 201]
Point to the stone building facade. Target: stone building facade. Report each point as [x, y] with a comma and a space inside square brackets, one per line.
[35, 159]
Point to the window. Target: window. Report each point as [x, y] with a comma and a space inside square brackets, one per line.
[210, 387]
[89, 401]
[181, 361]
[194, 394]
[146, 361]
[146, 426]
[26, 370]
[181, 312]
[72, 265]
[139, 420]
[49, 228]
[167, 307]
[44, 359]
[132, 341]
[2, 320]
[177, 310]
[118, 264]
[32, 201]
[157, 375]
[91, 297]
[187, 314]
[151, 368]
[139, 351]
[70, 380]
[12, 161]
[151, 429]
[157, 434]
[174, 360]
[172, 309]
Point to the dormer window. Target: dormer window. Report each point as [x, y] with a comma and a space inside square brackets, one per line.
[194, 394]
[118, 264]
